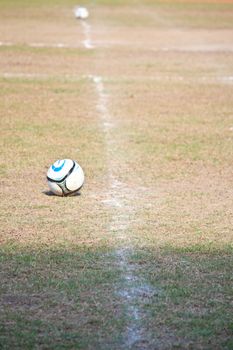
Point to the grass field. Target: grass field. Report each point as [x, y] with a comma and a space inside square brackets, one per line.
[141, 95]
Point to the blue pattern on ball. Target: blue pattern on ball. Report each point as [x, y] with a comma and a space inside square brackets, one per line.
[56, 169]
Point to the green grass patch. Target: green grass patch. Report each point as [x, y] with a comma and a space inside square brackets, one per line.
[192, 291]
[58, 299]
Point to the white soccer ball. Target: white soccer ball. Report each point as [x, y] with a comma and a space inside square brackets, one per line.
[65, 177]
[81, 13]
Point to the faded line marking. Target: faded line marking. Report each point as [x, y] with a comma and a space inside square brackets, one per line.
[2, 43]
[37, 76]
[40, 45]
[87, 42]
[134, 291]
[24, 75]
[189, 49]
[108, 124]
[170, 78]
[101, 106]
[195, 49]
[53, 45]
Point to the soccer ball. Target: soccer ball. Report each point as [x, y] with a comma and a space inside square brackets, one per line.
[81, 13]
[65, 177]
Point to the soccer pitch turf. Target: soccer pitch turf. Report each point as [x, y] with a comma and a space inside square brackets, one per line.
[140, 95]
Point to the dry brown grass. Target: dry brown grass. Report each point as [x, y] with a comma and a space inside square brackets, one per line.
[166, 157]
[42, 121]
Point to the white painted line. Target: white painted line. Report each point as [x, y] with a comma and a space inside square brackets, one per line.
[226, 79]
[112, 202]
[2, 43]
[37, 76]
[24, 75]
[177, 78]
[195, 49]
[87, 42]
[108, 126]
[133, 291]
[40, 45]
[143, 46]
[102, 100]
[108, 123]
[45, 45]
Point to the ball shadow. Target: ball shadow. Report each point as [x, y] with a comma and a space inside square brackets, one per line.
[51, 194]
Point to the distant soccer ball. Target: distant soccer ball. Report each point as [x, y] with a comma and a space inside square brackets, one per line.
[65, 177]
[81, 13]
